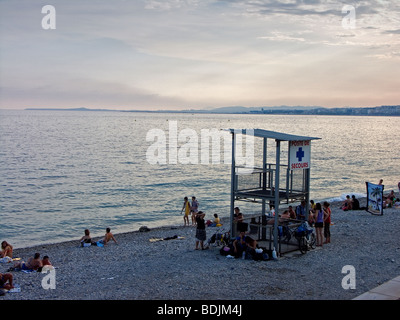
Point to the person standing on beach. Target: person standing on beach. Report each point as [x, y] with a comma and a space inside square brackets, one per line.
[186, 207]
[301, 211]
[312, 205]
[201, 235]
[327, 222]
[194, 209]
[319, 223]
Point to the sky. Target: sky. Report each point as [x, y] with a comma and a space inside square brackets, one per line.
[198, 54]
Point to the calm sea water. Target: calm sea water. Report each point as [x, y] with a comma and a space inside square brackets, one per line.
[64, 171]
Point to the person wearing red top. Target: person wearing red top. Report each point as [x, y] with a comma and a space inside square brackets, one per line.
[327, 222]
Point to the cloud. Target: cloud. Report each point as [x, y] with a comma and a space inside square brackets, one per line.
[175, 53]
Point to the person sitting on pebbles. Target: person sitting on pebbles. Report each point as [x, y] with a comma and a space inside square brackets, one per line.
[6, 281]
[6, 250]
[108, 237]
[86, 240]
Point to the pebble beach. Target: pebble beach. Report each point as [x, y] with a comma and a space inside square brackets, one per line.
[139, 269]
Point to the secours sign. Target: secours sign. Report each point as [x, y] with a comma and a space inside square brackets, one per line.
[299, 154]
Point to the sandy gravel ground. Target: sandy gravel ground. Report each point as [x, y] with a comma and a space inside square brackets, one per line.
[172, 270]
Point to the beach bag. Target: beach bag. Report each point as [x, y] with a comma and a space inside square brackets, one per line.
[300, 231]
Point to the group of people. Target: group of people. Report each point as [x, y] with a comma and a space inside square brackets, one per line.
[34, 263]
[190, 209]
[390, 200]
[197, 220]
[87, 241]
[244, 246]
[350, 203]
[6, 279]
[320, 217]
[197, 217]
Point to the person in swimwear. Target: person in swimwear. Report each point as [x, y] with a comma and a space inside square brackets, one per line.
[33, 263]
[86, 240]
[108, 236]
[194, 208]
[46, 261]
[6, 250]
[4, 278]
[186, 207]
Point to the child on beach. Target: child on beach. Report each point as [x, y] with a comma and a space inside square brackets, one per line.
[215, 223]
[193, 209]
[186, 207]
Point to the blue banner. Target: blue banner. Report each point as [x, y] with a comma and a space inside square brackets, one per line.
[375, 198]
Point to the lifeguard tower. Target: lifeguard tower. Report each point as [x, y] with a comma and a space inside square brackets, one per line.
[278, 183]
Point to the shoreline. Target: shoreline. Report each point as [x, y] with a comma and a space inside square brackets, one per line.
[97, 237]
[333, 202]
[137, 269]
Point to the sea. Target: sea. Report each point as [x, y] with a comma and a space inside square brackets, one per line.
[64, 171]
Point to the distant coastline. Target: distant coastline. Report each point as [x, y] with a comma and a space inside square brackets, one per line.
[279, 110]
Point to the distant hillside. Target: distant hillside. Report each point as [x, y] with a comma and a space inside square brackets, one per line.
[294, 110]
[70, 109]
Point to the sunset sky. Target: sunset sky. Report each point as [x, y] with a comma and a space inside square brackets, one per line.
[183, 54]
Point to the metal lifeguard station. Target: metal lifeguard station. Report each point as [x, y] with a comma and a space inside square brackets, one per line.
[272, 183]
